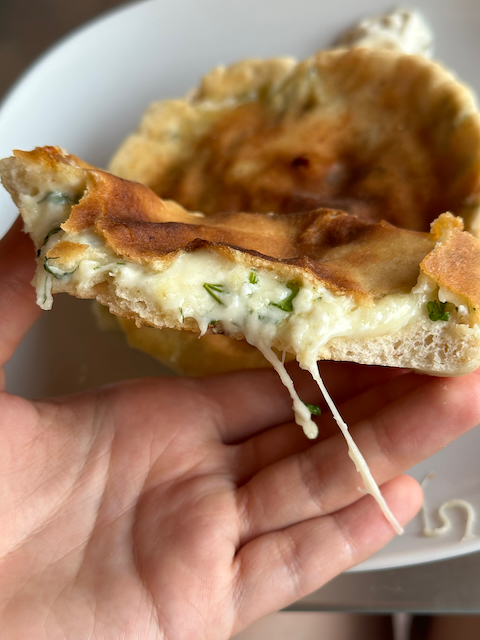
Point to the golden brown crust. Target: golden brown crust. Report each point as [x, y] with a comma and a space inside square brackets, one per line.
[66, 253]
[342, 252]
[48, 158]
[376, 133]
[455, 264]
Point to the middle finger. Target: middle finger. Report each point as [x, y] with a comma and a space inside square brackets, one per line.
[323, 479]
[284, 440]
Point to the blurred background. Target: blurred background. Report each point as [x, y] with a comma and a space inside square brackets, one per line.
[27, 29]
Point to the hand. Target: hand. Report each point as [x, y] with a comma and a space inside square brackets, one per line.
[186, 509]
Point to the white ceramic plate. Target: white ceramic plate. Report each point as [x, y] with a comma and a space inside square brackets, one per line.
[89, 91]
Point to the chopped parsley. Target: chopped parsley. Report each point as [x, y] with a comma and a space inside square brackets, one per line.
[313, 408]
[436, 310]
[213, 289]
[54, 271]
[287, 303]
[253, 278]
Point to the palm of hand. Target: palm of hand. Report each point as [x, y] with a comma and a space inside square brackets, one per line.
[127, 515]
[187, 509]
[109, 510]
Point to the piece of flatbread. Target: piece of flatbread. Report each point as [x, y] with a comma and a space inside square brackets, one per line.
[373, 132]
[319, 284]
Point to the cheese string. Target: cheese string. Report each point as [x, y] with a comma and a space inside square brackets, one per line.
[445, 519]
[354, 452]
[304, 419]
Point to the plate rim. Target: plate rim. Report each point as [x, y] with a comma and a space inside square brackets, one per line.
[397, 560]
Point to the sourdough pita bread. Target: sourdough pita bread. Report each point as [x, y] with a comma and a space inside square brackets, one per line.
[115, 240]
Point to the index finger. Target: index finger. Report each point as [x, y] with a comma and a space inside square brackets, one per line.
[249, 402]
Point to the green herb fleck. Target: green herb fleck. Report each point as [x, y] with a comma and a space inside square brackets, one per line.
[47, 267]
[50, 233]
[57, 197]
[56, 273]
[436, 310]
[265, 319]
[313, 408]
[253, 278]
[212, 288]
[287, 303]
[120, 262]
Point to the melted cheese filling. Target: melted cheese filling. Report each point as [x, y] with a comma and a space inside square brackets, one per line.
[210, 288]
[455, 503]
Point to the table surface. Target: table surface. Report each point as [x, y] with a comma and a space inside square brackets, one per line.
[446, 586]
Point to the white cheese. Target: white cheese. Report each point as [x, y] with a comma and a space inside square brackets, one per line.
[456, 503]
[302, 414]
[317, 315]
[361, 466]
[402, 30]
[49, 209]
[446, 521]
[43, 286]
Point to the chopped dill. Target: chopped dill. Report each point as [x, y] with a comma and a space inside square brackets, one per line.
[213, 289]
